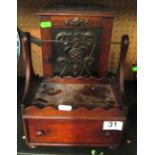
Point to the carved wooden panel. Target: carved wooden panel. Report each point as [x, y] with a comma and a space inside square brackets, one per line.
[75, 51]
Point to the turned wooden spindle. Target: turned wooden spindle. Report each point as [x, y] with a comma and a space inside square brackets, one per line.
[121, 66]
[29, 72]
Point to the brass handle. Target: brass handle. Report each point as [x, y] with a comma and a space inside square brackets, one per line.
[40, 133]
[76, 21]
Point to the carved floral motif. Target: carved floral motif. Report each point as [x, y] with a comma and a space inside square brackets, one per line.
[78, 48]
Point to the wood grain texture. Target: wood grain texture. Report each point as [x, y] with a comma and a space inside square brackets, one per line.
[79, 79]
[79, 127]
[105, 46]
[112, 145]
[46, 34]
[105, 24]
[29, 71]
[70, 12]
[59, 22]
[121, 67]
[70, 131]
[79, 113]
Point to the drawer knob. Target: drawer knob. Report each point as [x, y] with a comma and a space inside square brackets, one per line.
[40, 133]
[107, 133]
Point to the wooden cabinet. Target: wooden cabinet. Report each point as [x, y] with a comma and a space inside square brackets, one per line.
[75, 50]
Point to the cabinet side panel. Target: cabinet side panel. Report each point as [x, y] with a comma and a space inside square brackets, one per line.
[105, 46]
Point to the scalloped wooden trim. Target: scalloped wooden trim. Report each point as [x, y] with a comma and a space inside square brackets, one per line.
[80, 79]
[79, 112]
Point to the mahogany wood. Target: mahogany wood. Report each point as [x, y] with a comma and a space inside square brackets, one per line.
[59, 22]
[49, 126]
[79, 79]
[70, 132]
[63, 128]
[47, 50]
[102, 22]
[80, 113]
[110, 146]
[69, 12]
[29, 72]
[105, 47]
[121, 67]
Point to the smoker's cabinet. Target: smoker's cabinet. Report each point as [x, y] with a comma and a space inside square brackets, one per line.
[75, 103]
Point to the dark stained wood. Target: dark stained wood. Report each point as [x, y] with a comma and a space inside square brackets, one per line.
[78, 11]
[62, 128]
[25, 131]
[116, 92]
[49, 126]
[121, 67]
[97, 17]
[110, 146]
[46, 34]
[79, 79]
[87, 13]
[59, 22]
[69, 131]
[80, 113]
[25, 126]
[105, 46]
[29, 72]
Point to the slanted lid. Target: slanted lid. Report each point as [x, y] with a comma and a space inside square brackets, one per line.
[84, 10]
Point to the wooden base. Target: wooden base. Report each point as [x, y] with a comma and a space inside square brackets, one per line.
[79, 127]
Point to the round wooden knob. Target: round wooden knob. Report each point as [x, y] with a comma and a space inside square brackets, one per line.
[107, 133]
[40, 133]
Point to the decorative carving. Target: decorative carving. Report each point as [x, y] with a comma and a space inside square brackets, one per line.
[63, 63]
[76, 52]
[76, 21]
[89, 61]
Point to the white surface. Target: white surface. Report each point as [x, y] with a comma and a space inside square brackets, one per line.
[112, 125]
[65, 107]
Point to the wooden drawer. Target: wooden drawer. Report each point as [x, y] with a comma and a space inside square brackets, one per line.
[76, 22]
[70, 132]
